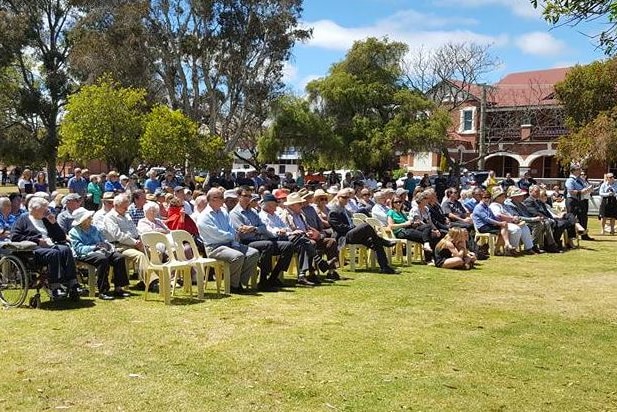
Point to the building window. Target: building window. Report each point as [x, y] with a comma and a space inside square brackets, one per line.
[467, 123]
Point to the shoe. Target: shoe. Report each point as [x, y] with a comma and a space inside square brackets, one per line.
[106, 296]
[276, 282]
[154, 287]
[82, 291]
[586, 237]
[58, 294]
[510, 251]
[313, 278]
[266, 287]
[139, 286]
[122, 294]
[529, 252]
[237, 289]
[333, 276]
[537, 250]
[389, 271]
[74, 293]
[302, 280]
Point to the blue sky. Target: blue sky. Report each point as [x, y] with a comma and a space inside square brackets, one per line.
[518, 35]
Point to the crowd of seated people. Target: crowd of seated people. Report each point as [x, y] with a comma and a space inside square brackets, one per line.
[260, 224]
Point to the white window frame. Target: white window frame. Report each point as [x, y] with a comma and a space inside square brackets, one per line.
[461, 127]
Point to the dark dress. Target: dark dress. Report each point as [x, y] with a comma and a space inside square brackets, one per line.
[441, 255]
[608, 207]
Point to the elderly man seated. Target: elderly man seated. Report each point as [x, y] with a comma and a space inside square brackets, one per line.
[121, 232]
[516, 227]
[541, 230]
[71, 202]
[253, 232]
[220, 241]
[364, 234]
[40, 226]
[381, 209]
[485, 221]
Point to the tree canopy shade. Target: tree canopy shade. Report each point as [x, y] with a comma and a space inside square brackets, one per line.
[557, 12]
[360, 114]
[104, 121]
[170, 137]
[589, 97]
[33, 34]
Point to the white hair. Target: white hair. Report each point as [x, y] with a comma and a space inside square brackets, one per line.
[121, 198]
[151, 206]
[37, 203]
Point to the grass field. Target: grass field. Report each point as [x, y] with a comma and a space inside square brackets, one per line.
[516, 334]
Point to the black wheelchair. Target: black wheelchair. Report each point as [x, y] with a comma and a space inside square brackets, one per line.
[19, 273]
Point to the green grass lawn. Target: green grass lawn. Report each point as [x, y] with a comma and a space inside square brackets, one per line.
[516, 334]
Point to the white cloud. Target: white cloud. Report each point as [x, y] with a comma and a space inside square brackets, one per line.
[540, 44]
[290, 72]
[411, 27]
[521, 8]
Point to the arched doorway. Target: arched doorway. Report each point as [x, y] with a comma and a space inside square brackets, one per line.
[502, 165]
[546, 167]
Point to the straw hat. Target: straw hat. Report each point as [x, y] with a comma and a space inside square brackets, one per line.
[293, 199]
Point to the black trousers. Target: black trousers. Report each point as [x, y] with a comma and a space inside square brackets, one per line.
[59, 260]
[579, 208]
[102, 262]
[268, 248]
[364, 234]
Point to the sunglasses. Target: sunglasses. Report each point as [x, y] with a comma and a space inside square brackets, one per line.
[344, 197]
[397, 201]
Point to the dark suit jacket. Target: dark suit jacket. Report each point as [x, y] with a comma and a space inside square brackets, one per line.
[23, 229]
[536, 207]
[339, 219]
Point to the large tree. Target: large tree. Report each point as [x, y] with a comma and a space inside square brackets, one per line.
[171, 137]
[589, 97]
[573, 12]
[104, 121]
[220, 62]
[34, 34]
[361, 111]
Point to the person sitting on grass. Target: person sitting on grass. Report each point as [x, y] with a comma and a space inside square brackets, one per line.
[451, 251]
[90, 247]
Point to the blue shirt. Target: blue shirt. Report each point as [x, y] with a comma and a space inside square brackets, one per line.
[483, 216]
[248, 217]
[83, 242]
[215, 227]
[78, 185]
[410, 184]
[115, 187]
[151, 185]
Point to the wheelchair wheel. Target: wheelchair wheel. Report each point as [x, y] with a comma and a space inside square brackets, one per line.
[13, 281]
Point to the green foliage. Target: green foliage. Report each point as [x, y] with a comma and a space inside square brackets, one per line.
[171, 137]
[589, 97]
[104, 121]
[360, 114]
[573, 12]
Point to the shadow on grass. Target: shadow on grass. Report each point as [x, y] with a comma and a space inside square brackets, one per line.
[67, 304]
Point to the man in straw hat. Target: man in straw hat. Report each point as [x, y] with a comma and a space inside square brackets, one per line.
[363, 234]
[254, 233]
[485, 221]
[519, 231]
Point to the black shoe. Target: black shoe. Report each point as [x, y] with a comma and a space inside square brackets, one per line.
[106, 296]
[529, 252]
[389, 271]
[139, 286]
[302, 280]
[74, 293]
[313, 278]
[58, 294]
[154, 287]
[266, 287]
[276, 282]
[333, 276]
[387, 243]
[587, 237]
[239, 290]
[122, 294]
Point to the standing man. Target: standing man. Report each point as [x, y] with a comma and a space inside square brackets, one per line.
[220, 242]
[78, 184]
[576, 200]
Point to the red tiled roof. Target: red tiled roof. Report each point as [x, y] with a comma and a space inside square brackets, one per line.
[533, 88]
